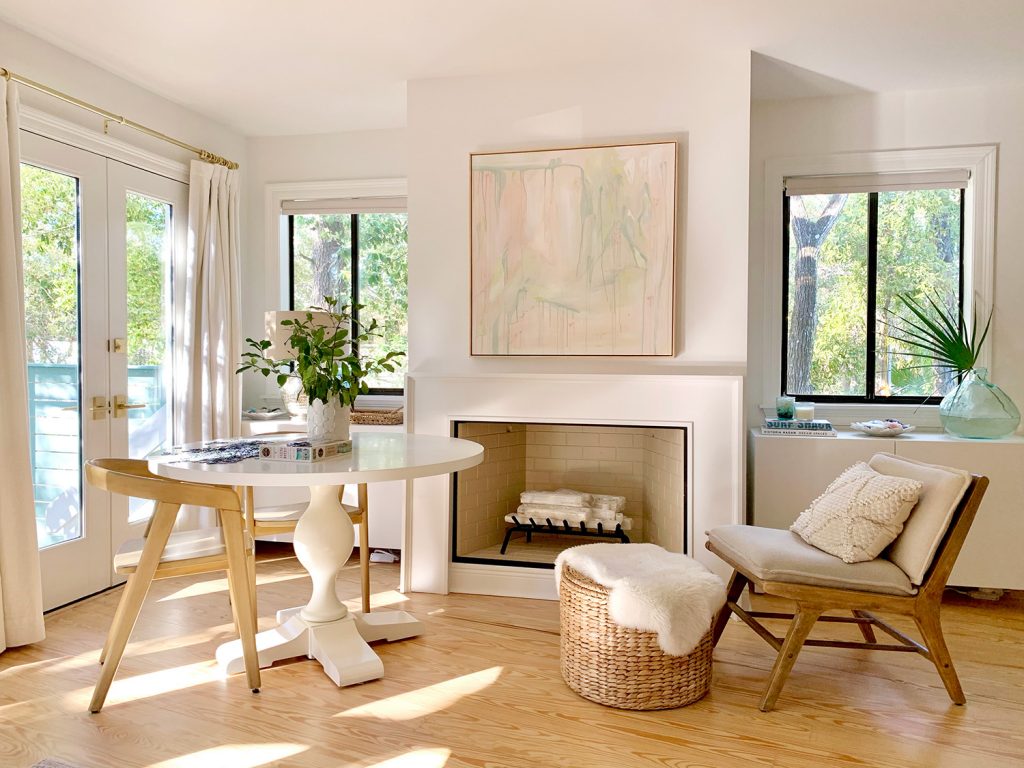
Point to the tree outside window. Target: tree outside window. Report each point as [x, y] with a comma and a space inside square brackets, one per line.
[359, 259]
[847, 256]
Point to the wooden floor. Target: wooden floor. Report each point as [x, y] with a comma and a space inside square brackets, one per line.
[482, 688]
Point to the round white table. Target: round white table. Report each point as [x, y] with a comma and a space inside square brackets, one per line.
[324, 629]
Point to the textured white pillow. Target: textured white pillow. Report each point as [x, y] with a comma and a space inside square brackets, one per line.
[859, 514]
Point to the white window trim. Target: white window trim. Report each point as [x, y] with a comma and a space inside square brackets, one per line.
[979, 253]
[56, 128]
[276, 238]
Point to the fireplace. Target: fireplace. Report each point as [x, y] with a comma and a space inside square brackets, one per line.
[644, 466]
[704, 412]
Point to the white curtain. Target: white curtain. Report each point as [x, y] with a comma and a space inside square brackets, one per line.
[208, 394]
[21, 601]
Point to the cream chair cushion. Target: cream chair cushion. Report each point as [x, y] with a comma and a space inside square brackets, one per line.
[771, 554]
[859, 514]
[941, 491]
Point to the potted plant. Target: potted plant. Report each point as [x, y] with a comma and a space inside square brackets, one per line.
[975, 407]
[323, 356]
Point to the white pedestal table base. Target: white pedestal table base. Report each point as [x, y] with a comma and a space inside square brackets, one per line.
[324, 629]
[340, 646]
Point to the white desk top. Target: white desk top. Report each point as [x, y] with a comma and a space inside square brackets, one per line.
[375, 457]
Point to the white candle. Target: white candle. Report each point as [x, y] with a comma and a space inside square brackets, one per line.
[805, 410]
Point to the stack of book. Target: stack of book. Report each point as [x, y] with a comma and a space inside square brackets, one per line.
[798, 427]
[303, 451]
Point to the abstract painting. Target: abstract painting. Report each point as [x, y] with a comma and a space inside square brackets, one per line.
[572, 251]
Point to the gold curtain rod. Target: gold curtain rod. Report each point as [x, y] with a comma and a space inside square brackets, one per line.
[204, 155]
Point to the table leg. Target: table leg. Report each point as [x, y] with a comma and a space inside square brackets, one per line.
[323, 543]
[324, 628]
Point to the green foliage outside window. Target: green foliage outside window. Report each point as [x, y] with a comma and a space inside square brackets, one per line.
[148, 231]
[918, 254]
[49, 211]
[322, 256]
[50, 251]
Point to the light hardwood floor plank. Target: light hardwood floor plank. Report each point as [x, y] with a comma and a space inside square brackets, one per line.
[481, 689]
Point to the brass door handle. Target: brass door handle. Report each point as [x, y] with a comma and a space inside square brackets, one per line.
[121, 405]
[99, 408]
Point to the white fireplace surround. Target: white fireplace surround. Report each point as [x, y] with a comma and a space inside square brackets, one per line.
[710, 407]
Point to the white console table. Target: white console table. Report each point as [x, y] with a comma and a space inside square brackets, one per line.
[787, 473]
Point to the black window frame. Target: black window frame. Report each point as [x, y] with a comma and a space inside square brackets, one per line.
[872, 290]
[354, 282]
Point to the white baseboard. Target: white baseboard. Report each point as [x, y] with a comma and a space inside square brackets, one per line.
[473, 579]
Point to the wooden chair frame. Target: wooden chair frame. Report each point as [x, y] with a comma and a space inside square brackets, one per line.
[358, 516]
[813, 601]
[131, 477]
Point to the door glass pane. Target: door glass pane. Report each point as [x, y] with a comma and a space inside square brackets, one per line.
[148, 241]
[322, 259]
[50, 242]
[919, 255]
[383, 290]
[828, 263]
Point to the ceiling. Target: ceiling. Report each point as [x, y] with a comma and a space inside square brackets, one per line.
[320, 66]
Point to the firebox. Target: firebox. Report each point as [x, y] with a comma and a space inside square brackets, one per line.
[613, 483]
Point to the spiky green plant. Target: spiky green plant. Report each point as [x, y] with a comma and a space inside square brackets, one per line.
[939, 334]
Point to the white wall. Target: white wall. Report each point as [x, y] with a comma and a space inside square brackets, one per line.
[275, 159]
[699, 98]
[40, 61]
[900, 121]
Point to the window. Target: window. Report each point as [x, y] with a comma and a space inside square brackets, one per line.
[851, 245]
[360, 259]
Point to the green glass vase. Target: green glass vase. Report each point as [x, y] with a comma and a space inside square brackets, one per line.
[977, 408]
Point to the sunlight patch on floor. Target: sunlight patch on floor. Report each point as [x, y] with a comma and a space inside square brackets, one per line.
[234, 755]
[426, 701]
[150, 684]
[420, 758]
[212, 586]
[57, 664]
[90, 658]
[378, 599]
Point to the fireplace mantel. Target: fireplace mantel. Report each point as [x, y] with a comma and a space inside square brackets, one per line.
[709, 407]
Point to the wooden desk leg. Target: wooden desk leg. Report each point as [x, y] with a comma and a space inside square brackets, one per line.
[364, 547]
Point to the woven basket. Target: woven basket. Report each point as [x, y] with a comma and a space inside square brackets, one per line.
[379, 417]
[621, 667]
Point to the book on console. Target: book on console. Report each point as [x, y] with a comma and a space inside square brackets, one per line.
[304, 451]
[799, 432]
[819, 425]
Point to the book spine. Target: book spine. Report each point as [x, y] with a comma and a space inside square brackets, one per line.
[799, 432]
[304, 454]
[812, 425]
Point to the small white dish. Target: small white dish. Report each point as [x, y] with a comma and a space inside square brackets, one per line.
[882, 427]
[264, 415]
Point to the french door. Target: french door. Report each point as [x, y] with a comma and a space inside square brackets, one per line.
[100, 243]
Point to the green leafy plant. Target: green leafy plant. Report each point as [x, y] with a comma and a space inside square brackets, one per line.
[939, 334]
[326, 357]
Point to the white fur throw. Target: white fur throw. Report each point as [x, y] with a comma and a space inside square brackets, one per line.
[651, 590]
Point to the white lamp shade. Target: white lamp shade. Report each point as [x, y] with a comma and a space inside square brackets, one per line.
[279, 334]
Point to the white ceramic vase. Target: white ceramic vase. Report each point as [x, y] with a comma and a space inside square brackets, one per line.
[328, 421]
